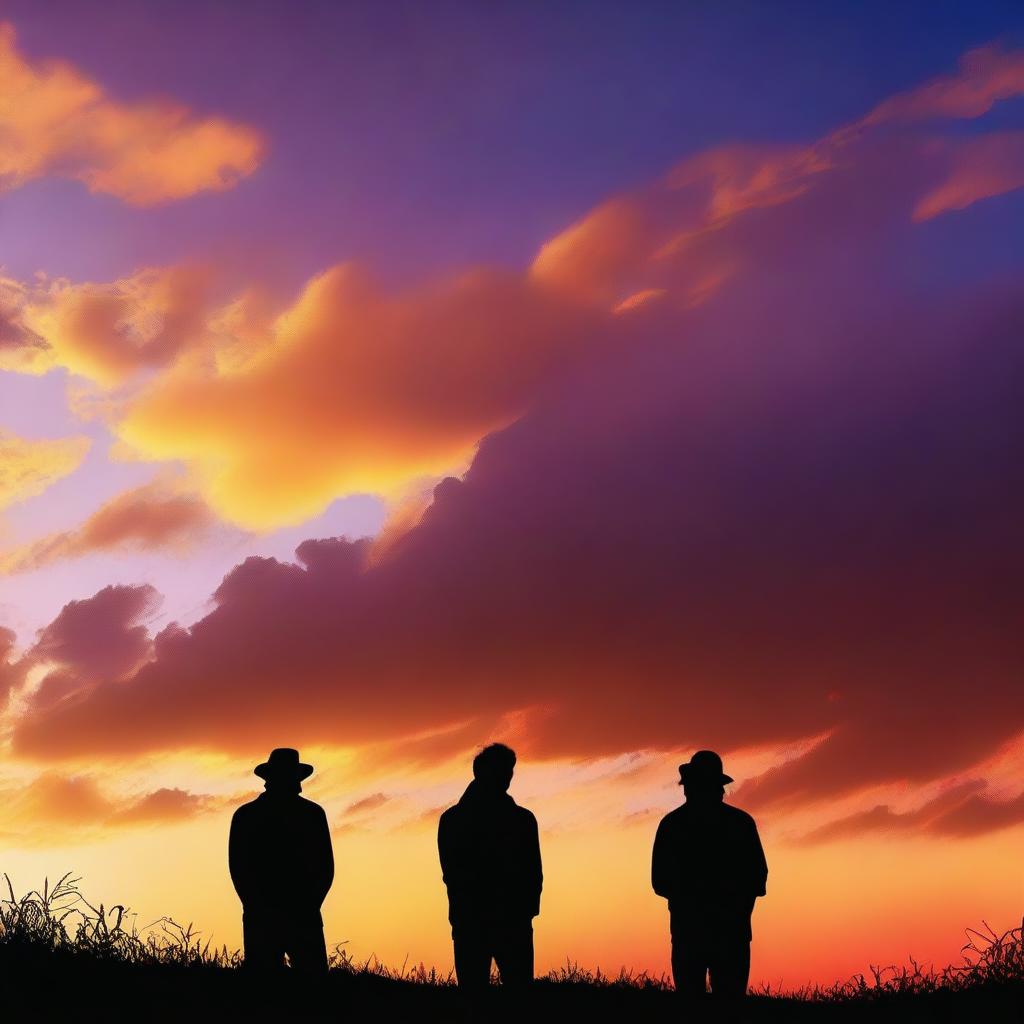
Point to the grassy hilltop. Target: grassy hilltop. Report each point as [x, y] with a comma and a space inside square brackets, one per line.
[63, 958]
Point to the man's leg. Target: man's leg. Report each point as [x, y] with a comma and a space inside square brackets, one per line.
[472, 958]
[513, 953]
[472, 969]
[730, 972]
[263, 942]
[307, 951]
[689, 966]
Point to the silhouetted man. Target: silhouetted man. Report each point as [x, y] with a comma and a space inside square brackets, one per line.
[490, 861]
[282, 866]
[708, 863]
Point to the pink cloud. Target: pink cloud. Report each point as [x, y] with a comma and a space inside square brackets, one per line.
[979, 169]
[103, 636]
[985, 76]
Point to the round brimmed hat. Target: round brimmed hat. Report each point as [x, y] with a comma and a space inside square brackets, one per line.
[283, 763]
[704, 766]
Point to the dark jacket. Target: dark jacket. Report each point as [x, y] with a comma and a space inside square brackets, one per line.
[709, 864]
[490, 859]
[280, 855]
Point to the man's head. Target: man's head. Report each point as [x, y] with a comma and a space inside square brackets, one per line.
[702, 777]
[283, 772]
[493, 767]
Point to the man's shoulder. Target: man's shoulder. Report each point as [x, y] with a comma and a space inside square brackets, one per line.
[525, 816]
[311, 808]
[449, 816]
[246, 810]
[674, 817]
[738, 816]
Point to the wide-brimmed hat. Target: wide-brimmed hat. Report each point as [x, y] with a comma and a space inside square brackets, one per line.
[704, 766]
[283, 763]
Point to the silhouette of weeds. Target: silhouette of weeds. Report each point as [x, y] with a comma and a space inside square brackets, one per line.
[990, 959]
[55, 929]
[59, 919]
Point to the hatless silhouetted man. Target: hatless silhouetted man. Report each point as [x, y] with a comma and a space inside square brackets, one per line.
[709, 864]
[490, 861]
[282, 867]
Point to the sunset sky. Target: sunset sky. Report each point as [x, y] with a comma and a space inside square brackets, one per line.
[611, 380]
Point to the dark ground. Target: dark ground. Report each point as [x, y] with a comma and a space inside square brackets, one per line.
[59, 986]
[62, 958]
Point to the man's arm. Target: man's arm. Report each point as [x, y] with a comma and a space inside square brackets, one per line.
[325, 860]
[535, 867]
[446, 850]
[759, 863]
[661, 862]
[240, 858]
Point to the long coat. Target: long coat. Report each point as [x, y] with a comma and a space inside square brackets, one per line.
[709, 864]
[280, 855]
[490, 859]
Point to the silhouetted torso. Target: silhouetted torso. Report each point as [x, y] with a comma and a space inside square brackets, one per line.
[490, 858]
[709, 864]
[280, 855]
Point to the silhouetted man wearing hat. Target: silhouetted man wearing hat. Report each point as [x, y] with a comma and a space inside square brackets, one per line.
[282, 866]
[708, 863]
[490, 861]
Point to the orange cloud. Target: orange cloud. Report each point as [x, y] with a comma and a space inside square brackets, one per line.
[594, 259]
[367, 803]
[21, 349]
[54, 806]
[12, 669]
[27, 468]
[357, 391]
[55, 120]
[57, 798]
[148, 517]
[105, 332]
[348, 389]
[161, 806]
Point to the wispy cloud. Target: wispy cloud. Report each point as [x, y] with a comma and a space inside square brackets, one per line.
[964, 809]
[29, 467]
[54, 807]
[156, 516]
[55, 120]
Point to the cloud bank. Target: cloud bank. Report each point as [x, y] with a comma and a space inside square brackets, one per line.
[776, 496]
